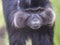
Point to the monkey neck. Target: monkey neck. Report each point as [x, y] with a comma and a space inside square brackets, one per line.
[43, 29]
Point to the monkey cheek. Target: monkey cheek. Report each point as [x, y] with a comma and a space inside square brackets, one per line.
[18, 22]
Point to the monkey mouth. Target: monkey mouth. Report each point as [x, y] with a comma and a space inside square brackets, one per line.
[35, 27]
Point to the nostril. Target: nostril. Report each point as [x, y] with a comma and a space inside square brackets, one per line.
[35, 22]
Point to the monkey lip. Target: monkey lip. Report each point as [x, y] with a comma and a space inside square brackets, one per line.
[35, 26]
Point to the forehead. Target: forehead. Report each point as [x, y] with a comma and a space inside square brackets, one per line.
[31, 3]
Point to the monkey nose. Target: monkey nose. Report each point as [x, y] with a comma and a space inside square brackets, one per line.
[35, 24]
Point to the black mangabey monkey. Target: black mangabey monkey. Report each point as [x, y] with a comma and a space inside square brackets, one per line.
[32, 19]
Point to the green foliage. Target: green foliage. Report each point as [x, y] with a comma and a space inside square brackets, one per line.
[1, 15]
[56, 5]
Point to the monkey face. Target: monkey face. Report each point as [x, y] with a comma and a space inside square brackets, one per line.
[34, 20]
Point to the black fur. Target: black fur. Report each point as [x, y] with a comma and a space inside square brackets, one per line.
[18, 36]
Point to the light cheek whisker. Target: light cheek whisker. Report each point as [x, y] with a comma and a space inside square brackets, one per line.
[53, 14]
[14, 21]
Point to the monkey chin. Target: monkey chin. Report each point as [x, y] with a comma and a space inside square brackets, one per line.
[35, 27]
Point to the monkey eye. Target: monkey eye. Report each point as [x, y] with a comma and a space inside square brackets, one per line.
[39, 9]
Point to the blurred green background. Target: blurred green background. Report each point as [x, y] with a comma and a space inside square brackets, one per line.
[56, 6]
